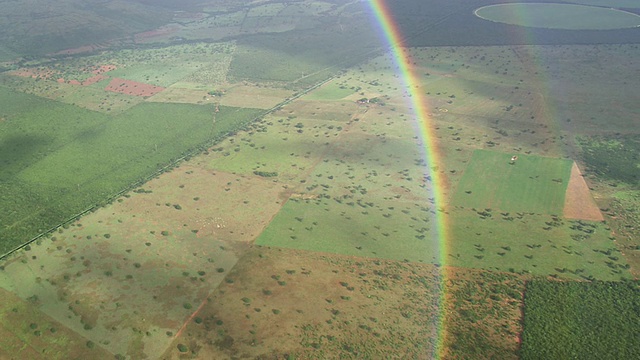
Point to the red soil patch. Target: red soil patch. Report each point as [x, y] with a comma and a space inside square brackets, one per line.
[578, 203]
[134, 88]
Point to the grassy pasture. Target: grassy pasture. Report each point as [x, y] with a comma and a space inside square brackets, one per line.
[365, 198]
[529, 184]
[537, 244]
[329, 91]
[308, 305]
[274, 145]
[388, 229]
[581, 320]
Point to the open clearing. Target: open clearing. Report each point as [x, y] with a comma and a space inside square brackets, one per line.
[530, 183]
[578, 202]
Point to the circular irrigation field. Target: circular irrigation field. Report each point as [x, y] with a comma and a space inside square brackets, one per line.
[559, 16]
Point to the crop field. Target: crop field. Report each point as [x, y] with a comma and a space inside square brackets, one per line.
[609, 308]
[530, 183]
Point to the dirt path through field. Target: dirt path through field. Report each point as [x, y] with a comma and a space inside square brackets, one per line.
[578, 203]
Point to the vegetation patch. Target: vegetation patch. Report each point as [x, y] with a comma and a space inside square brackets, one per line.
[581, 320]
[616, 158]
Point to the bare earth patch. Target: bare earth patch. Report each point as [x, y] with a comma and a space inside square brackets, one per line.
[578, 203]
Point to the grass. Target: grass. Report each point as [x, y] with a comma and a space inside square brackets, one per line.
[536, 244]
[358, 230]
[330, 91]
[530, 184]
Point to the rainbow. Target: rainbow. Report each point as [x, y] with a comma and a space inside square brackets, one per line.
[418, 102]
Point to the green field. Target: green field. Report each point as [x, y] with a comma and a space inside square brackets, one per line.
[559, 16]
[330, 91]
[387, 230]
[535, 244]
[581, 320]
[59, 160]
[530, 184]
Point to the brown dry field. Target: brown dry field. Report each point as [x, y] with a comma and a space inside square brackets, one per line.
[279, 302]
[128, 276]
[578, 203]
[174, 94]
[253, 96]
[130, 87]
[312, 305]
[28, 333]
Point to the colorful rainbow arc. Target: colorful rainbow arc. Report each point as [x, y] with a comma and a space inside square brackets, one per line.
[411, 82]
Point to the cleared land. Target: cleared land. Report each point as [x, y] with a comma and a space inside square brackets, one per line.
[578, 201]
[529, 183]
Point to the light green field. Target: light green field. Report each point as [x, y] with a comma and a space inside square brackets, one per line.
[330, 91]
[530, 184]
[278, 147]
[559, 16]
[388, 229]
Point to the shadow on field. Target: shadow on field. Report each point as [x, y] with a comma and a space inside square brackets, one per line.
[16, 151]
